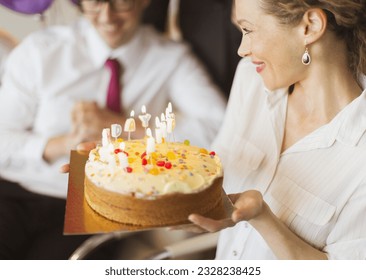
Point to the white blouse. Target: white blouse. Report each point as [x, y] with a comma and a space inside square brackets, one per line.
[55, 67]
[317, 187]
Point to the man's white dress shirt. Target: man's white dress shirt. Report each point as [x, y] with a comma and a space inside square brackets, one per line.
[55, 67]
[5, 49]
[317, 187]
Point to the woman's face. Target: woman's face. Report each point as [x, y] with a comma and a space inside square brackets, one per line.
[275, 49]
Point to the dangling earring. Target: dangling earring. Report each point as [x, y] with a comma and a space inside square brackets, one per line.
[306, 59]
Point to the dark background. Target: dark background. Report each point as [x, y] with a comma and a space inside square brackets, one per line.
[206, 25]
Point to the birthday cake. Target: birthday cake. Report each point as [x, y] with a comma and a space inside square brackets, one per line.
[151, 182]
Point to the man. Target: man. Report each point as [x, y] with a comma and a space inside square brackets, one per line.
[7, 43]
[54, 96]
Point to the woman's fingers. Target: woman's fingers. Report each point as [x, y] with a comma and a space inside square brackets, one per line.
[209, 224]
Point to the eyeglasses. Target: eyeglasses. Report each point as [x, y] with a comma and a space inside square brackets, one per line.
[95, 6]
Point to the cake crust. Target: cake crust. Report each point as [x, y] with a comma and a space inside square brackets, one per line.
[169, 209]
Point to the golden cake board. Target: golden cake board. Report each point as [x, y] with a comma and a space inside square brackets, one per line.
[80, 218]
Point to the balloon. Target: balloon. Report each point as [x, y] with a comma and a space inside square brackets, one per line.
[27, 6]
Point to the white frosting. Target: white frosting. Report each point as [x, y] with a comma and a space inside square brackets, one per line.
[174, 167]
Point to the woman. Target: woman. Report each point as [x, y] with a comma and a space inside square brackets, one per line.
[293, 142]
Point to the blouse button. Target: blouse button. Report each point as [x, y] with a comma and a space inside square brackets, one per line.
[235, 253]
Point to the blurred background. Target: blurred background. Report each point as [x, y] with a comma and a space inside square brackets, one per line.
[205, 24]
[20, 24]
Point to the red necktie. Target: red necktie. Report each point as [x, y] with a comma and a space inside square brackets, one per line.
[114, 88]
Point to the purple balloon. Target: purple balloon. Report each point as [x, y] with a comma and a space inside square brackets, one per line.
[27, 6]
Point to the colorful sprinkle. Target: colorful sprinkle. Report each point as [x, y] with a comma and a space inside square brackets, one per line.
[154, 171]
[160, 163]
[186, 142]
[168, 165]
[144, 161]
[129, 169]
[171, 155]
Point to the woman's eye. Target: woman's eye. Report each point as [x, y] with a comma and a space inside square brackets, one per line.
[246, 31]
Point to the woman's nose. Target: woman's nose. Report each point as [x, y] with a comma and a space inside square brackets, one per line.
[244, 48]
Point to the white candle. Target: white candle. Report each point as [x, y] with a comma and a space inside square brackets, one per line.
[150, 142]
[122, 146]
[106, 137]
[163, 126]
[145, 117]
[116, 130]
[148, 132]
[170, 124]
[158, 135]
[130, 124]
[123, 160]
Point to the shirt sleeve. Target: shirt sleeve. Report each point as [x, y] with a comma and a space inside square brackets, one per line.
[198, 102]
[19, 144]
[348, 238]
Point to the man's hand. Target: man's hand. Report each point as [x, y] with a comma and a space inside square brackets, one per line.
[86, 146]
[89, 120]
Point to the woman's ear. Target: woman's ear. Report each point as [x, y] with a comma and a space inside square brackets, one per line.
[314, 24]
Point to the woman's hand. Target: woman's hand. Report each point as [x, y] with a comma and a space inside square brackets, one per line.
[247, 205]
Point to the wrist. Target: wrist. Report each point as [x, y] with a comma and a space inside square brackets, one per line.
[57, 147]
[263, 218]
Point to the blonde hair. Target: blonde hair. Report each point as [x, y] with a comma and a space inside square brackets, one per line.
[346, 18]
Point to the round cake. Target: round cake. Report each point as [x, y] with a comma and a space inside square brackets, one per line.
[131, 183]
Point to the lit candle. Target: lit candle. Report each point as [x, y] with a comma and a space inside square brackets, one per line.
[163, 126]
[150, 143]
[130, 124]
[170, 118]
[145, 117]
[170, 125]
[158, 135]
